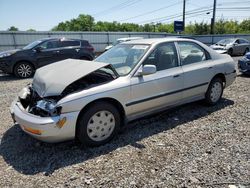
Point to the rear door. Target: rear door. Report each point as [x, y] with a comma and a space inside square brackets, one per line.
[48, 53]
[198, 69]
[161, 88]
[69, 49]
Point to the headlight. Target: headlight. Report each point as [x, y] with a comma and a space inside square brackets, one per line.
[48, 107]
[244, 58]
[7, 54]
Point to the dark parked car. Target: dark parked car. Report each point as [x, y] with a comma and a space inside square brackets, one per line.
[23, 62]
[244, 64]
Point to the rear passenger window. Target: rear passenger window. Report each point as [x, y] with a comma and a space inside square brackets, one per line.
[191, 53]
[67, 43]
[163, 57]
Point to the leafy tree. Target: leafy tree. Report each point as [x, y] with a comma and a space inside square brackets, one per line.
[13, 28]
[87, 23]
[31, 30]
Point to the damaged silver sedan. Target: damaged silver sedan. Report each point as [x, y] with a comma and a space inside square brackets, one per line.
[91, 101]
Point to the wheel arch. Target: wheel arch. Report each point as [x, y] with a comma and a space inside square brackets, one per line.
[221, 76]
[112, 101]
[19, 61]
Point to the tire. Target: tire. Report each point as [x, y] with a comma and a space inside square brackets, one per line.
[214, 92]
[230, 51]
[246, 51]
[24, 70]
[98, 124]
[85, 58]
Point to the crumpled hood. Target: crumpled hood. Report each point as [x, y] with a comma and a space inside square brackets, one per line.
[52, 79]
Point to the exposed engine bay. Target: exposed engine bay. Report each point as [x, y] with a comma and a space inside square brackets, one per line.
[46, 106]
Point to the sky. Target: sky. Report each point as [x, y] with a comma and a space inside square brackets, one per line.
[43, 15]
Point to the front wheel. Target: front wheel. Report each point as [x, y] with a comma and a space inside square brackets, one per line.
[98, 124]
[230, 52]
[214, 92]
[246, 51]
[24, 70]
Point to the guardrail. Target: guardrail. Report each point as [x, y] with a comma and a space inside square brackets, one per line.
[13, 40]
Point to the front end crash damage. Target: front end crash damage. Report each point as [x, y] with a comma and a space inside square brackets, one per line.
[37, 112]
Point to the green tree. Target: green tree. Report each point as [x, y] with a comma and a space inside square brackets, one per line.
[31, 30]
[245, 26]
[13, 28]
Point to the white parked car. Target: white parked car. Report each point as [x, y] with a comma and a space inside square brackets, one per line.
[120, 40]
[91, 101]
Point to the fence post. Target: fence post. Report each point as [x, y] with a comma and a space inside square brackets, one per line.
[108, 38]
[14, 40]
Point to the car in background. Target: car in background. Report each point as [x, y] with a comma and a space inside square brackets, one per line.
[23, 62]
[120, 40]
[244, 64]
[91, 101]
[232, 46]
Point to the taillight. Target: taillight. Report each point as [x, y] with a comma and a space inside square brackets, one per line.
[90, 48]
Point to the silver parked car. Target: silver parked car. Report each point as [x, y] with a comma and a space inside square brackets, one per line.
[91, 101]
[232, 46]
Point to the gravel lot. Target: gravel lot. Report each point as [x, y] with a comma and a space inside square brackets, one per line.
[189, 146]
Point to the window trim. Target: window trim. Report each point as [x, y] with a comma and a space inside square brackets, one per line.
[208, 57]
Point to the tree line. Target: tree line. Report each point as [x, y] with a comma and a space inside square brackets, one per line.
[87, 23]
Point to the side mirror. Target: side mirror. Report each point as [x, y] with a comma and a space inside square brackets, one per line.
[38, 49]
[235, 44]
[146, 70]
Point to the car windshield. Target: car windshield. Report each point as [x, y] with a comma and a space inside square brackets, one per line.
[32, 45]
[225, 41]
[123, 57]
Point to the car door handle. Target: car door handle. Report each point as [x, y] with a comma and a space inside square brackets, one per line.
[210, 67]
[56, 52]
[175, 76]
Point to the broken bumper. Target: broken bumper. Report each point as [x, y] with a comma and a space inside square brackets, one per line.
[45, 128]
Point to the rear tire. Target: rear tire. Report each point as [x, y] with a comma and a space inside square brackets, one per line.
[214, 92]
[24, 69]
[98, 124]
[85, 58]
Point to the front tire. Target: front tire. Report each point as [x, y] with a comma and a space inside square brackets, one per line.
[246, 51]
[230, 52]
[214, 92]
[98, 124]
[24, 70]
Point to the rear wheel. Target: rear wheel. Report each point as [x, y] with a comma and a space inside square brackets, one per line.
[85, 58]
[214, 92]
[24, 69]
[98, 124]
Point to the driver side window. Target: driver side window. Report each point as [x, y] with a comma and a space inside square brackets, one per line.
[163, 57]
[49, 44]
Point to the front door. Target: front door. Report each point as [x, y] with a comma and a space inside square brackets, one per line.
[162, 88]
[49, 53]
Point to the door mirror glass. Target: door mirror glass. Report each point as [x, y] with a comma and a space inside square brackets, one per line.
[147, 69]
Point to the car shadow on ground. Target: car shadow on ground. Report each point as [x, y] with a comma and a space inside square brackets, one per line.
[7, 77]
[29, 156]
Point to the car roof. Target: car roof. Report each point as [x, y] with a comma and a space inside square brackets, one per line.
[59, 38]
[129, 38]
[156, 40]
